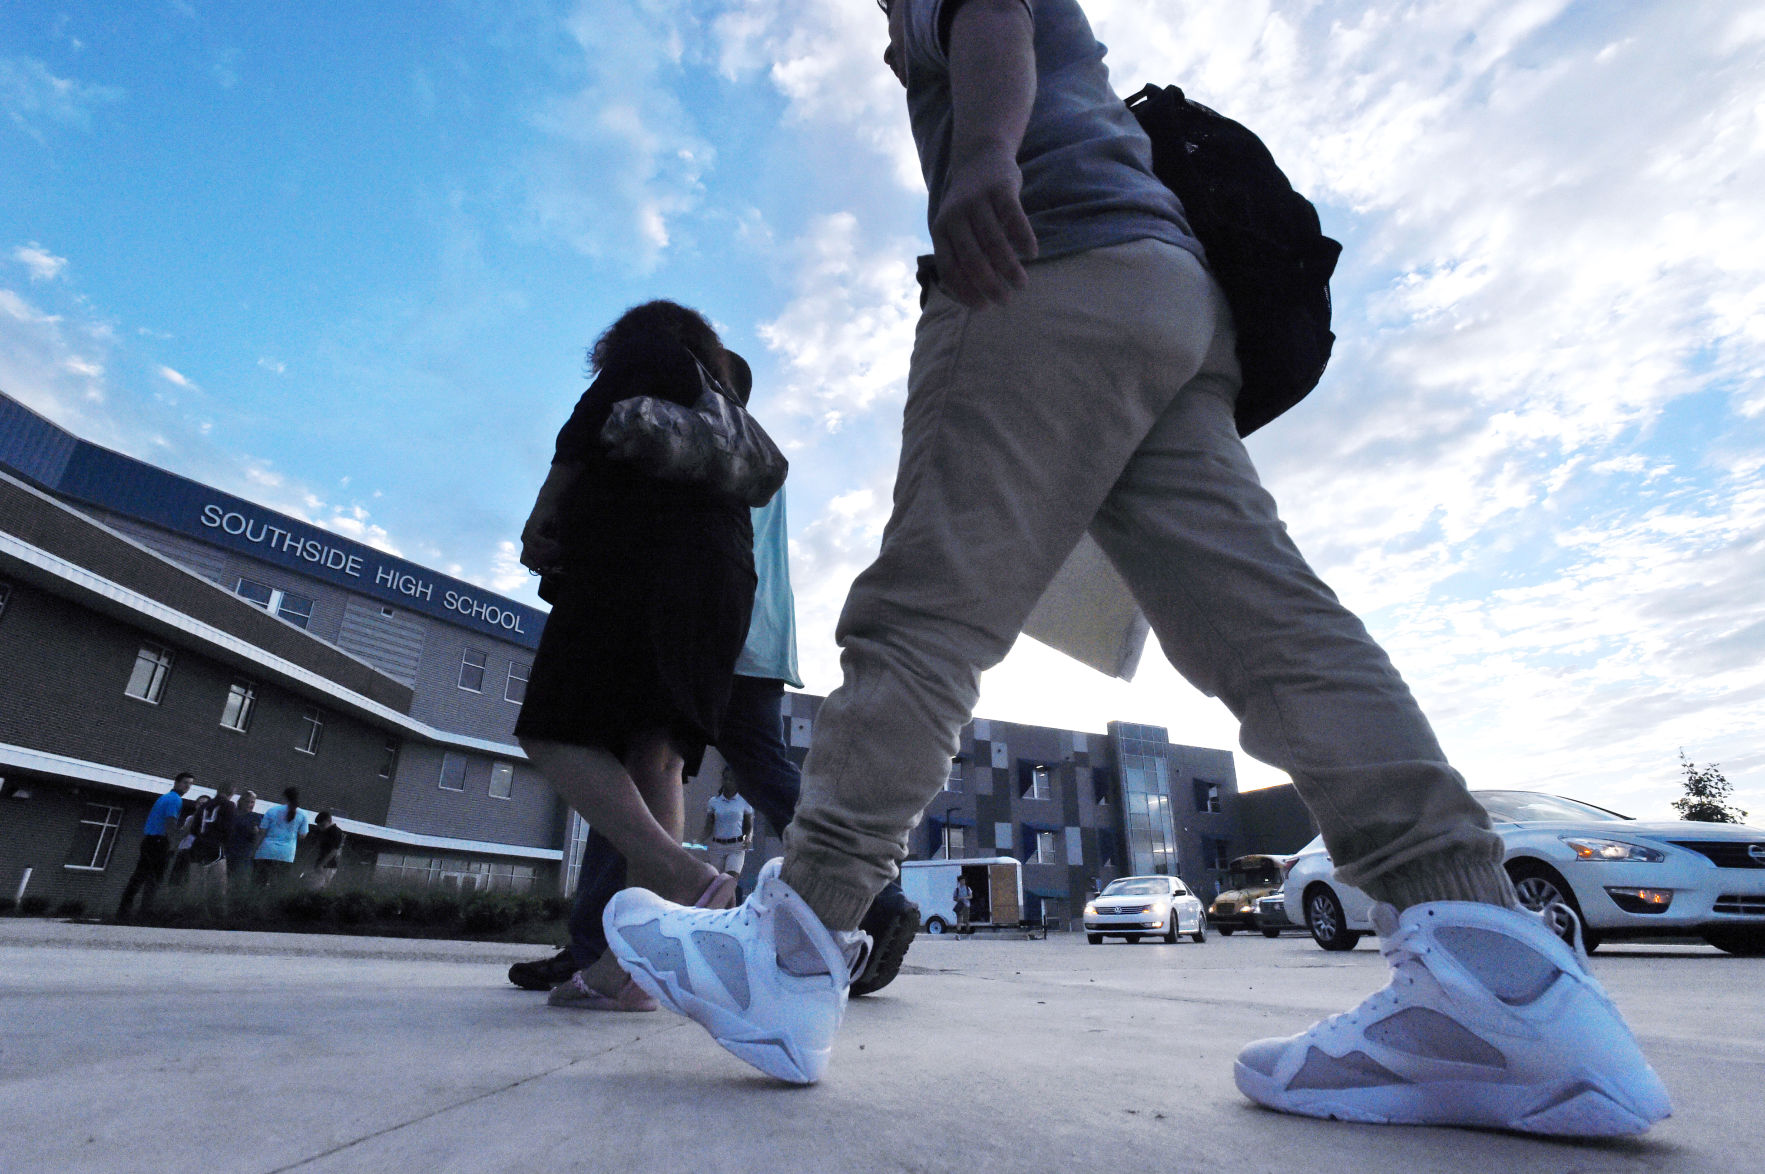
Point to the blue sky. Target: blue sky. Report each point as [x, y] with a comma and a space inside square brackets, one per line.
[344, 259]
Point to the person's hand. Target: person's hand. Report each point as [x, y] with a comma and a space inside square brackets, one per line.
[981, 236]
[541, 550]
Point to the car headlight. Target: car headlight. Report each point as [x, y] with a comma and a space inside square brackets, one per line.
[1593, 848]
[1160, 908]
[1090, 910]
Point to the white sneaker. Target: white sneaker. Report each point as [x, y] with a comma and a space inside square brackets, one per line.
[720, 968]
[1490, 1020]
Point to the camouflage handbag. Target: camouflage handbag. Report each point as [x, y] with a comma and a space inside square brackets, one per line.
[714, 443]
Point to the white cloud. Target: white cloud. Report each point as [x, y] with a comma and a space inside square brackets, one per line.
[35, 100]
[42, 264]
[621, 161]
[273, 366]
[175, 378]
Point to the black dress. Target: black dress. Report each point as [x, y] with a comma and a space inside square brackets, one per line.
[652, 607]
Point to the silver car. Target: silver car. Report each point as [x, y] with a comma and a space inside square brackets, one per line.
[1138, 906]
[1626, 878]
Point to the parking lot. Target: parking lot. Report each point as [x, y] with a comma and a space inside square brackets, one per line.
[137, 1049]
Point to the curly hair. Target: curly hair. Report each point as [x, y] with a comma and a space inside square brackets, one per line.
[671, 319]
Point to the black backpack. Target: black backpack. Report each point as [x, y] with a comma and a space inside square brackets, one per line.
[1263, 243]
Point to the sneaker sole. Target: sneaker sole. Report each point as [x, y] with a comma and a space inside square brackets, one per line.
[1576, 1107]
[769, 1054]
[887, 955]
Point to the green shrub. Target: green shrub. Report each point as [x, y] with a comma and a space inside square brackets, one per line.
[71, 908]
[489, 914]
[553, 908]
[305, 908]
[354, 907]
[399, 906]
[441, 908]
[33, 906]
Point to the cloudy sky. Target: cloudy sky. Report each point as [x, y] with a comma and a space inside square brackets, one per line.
[343, 259]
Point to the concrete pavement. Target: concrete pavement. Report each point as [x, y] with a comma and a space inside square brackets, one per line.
[128, 1049]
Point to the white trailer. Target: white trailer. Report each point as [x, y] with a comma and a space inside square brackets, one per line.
[997, 882]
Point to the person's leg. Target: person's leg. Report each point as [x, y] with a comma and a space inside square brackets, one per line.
[149, 869]
[1242, 616]
[640, 816]
[751, 741]
[653, 767]
[602, 875]
[1019, 420]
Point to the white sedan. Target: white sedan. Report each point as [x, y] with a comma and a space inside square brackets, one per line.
[1139, 906]
[1626, 878]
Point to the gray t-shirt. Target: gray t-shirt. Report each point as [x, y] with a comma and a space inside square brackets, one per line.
[1087, 165]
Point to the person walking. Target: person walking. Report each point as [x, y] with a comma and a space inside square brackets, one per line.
[327, 850]
[651, 583]
[1074, 373]
[164, 819]
[753, 745]
[729, 828]
[211, 828]
[963, 899]
[242, 840]
[283, 827]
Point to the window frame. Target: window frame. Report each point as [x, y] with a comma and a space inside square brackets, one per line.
[483, 666]
[312, 719]
[108, 829]
[450, 756]
[161, 657]
[246, 691]
[389, 768]
[1038, 781]
[276, 602]
[509, 682]
[507, 769]
[1047, 848]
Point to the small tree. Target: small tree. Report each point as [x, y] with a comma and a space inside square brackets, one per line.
[1707, 795]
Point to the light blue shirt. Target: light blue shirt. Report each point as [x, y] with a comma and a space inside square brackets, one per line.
[1087, 165]
[771, 650]
[162, 817]
[281, 835]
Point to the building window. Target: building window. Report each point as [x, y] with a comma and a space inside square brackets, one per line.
[241, 700]
[955, 842]
[389, 758]
[1037, 781]
[953, 781]
[502, 780]
[312, 728]
[296, 609]
[152, 665]
[387, 611]
[1207, 796]
[95, 838]
[1046, 851]
[453, 771]
[472, 670]
[516, 688]
[1214, 852]
[1100, 786]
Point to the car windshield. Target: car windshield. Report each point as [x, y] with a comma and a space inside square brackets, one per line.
[1533, 807]
[1137, 888]
[1262, 873]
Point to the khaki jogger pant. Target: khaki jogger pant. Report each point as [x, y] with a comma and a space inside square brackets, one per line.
[1100, 399]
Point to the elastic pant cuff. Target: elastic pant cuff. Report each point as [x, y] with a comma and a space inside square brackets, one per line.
[837, 902]
[1455, 876]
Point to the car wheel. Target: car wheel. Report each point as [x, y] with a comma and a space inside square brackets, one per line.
[1170, 935]
[1096, 939]
[936, 925]
[1745, 942]
[1539, 886]
[1200, 935]
[1271, 933]
[1327, 922]
[1226, 931]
